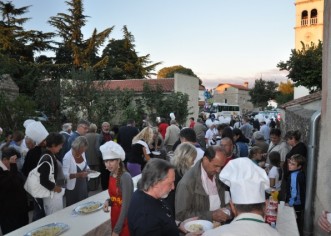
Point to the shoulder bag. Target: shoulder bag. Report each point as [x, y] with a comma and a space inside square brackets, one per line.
[32, 184]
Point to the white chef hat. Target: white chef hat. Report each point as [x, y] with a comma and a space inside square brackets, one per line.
[111, 150]
[27, 122]
[246, 180]
[36, 131]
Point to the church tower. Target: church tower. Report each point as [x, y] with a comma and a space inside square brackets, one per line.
[308, 28]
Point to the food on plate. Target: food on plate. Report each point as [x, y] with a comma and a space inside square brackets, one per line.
[195, 228]
[48, 231]
[89, 208]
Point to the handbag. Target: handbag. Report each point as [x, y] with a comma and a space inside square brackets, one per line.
[32, 184]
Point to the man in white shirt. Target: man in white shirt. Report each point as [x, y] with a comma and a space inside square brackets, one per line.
[278, 145]
[265, 131]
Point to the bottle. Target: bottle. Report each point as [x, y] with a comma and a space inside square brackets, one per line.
[271, 212]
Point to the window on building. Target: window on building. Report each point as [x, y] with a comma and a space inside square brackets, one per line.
[304, 18]
[225, 100]
[226, 89]
[313, 17]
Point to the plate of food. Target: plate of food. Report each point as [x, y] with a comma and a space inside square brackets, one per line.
[198, 226]
[156, 153]
[88, 207]
[52, 229]
[93, 174]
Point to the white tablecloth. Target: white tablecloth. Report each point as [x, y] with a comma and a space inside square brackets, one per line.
[286, 221]
[96, 223]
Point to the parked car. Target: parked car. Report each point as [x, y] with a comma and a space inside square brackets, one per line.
[40, 116]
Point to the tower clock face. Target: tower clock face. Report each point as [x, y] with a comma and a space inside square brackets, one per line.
[308, 37]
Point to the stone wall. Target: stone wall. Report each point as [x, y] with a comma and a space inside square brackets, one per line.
[8, 87]
[298, 118]
[190, 86]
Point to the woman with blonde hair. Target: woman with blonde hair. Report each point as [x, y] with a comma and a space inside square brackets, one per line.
[183, 160]
[140, 152]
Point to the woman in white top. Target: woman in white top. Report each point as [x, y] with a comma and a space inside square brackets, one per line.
[75, 170]
[276, 172]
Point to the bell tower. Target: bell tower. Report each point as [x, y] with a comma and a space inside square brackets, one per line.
[309, 22]
[308, 28]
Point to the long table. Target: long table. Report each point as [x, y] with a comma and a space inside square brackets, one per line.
[96, 223]
[286, 223]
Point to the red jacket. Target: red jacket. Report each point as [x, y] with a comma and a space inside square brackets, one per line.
[163, 128]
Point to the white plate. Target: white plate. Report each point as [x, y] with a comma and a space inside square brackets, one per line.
[88, 207]
[156, 153]
[198, 226]
[52, 229]
[93, 174]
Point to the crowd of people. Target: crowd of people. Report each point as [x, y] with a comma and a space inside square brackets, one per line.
[220, 172]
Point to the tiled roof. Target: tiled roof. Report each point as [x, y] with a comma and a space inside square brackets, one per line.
[303, 100]
[201, 87]
[137, 84]
[240, 87]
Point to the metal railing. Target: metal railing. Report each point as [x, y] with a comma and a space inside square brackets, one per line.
[313, 21]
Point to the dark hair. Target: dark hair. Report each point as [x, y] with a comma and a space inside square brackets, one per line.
[7, 152]
[120, 172]
[155, 171]
[192, 118]
[189, 134]
[260, 207]
[254, 150]
[274, 158]
[210, 152]
[296, 134]
[54, 139]
[227, 133]
[17, 136]
[276, 132]
[83, 122]
[221, 126]
[246, 118]
[298, 159]
[237, 131]
[130, 121]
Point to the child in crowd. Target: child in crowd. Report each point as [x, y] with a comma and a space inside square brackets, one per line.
[255, 154]
[296, 186]
[276, 172]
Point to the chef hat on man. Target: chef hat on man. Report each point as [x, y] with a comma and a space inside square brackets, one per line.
[111, 150]
[246, 180]
[27, 122]
[35, 130]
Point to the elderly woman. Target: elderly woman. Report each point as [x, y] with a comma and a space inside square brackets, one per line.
[120, 188]
[183, 160]
[75, 170]
[140, 152]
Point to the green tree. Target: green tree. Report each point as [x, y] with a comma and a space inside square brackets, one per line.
[73, 49]
[285, 92]
[305, 67]
[262, 92]
[123, 60]
[169, 72]
[14, 40]
[15, 112]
